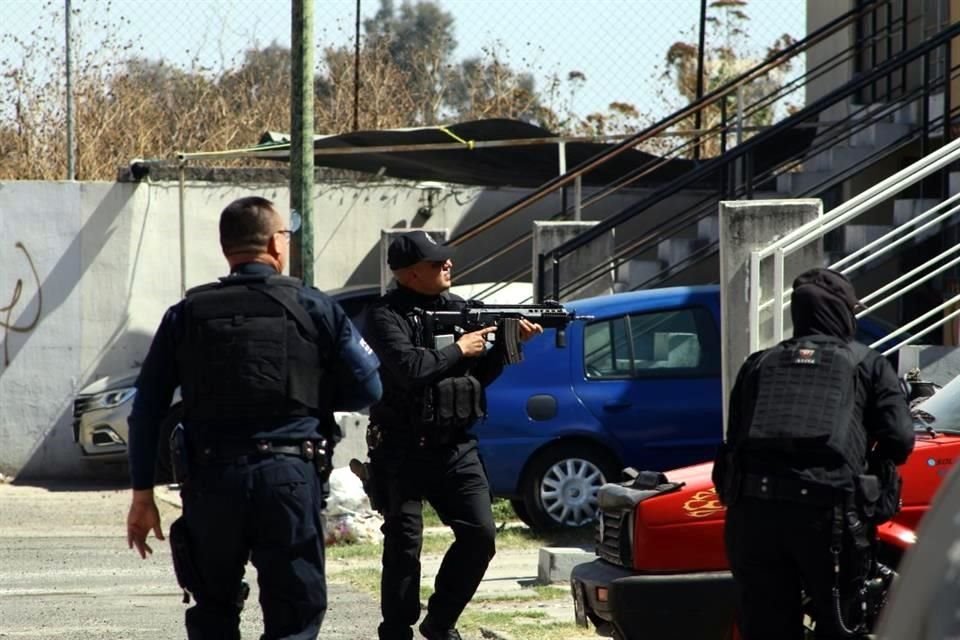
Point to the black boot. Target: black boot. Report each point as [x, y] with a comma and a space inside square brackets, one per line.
[431, 632]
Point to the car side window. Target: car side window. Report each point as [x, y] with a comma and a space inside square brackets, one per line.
[657, 344]
[607, 349]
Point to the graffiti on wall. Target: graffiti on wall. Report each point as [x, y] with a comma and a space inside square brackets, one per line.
[7, 311]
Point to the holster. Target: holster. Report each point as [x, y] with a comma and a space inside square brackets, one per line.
[375, 490]
[179, 455]
[184, 566]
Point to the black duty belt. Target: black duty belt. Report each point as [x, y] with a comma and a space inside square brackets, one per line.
[229, 451]
[771, 487]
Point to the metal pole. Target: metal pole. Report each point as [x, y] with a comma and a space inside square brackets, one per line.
[356, 71]
[68, 58]
[698, 116]
[183, 232]
[301, 137]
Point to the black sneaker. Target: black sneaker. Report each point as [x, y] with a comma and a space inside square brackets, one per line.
[431, 632]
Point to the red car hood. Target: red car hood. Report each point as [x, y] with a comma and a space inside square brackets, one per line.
[683, 530]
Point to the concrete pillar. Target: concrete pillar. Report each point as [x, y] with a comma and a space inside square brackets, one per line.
[548, 234]
[745, 226]
[386, 237]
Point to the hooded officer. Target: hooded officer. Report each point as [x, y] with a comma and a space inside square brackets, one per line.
[421, 444]
[262, 363]
[806, 418]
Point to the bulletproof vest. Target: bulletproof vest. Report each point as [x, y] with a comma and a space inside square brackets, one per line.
[806, 402]
[250, 352]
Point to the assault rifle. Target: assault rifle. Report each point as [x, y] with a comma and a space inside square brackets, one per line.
[475, 315]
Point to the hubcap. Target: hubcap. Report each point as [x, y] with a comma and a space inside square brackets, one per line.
[568, 491]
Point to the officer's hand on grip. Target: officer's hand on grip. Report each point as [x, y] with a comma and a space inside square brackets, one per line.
[474, 343]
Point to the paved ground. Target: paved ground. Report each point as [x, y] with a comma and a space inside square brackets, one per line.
[66, 574]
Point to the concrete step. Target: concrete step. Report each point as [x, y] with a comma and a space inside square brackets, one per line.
[633, 272]
[708, 229]
[911, 112]
[906, 209]
[857, 236]
[556, 563]
[798, 183]
[879, 134]
[673, 250]
[837, 159]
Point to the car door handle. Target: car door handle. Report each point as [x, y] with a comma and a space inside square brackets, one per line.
[617, 406]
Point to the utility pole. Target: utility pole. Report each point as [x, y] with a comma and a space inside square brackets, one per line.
[71, 141]
[301, 137]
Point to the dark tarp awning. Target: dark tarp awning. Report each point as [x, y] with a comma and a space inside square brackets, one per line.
[494, 152]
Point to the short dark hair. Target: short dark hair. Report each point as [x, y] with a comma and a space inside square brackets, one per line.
[246, 225]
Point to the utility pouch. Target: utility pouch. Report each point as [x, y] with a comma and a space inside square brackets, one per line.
[188, 577]
[726, 476]
[878, 492]
[450, 407]
[179, 455]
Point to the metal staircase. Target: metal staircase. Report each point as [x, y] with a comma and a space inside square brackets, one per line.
[828, 149]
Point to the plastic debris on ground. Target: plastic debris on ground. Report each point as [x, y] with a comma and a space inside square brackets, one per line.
[348, 515]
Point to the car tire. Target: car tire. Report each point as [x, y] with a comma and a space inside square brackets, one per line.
[163, 472]
[520, 509]
[560, 486]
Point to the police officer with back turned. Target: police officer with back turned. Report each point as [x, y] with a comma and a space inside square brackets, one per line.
[817, 425]
[421, 446]
[262, 363]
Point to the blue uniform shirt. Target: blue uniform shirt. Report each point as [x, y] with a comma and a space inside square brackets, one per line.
[353, 370]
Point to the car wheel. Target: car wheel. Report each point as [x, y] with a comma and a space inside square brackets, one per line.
[163, 472]
[560, 486]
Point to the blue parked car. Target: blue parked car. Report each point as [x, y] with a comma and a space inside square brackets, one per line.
[639, 385]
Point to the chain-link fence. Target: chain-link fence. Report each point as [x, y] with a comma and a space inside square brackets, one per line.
[149, 79]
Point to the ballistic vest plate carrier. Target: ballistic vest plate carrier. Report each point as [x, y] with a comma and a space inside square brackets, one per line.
[806, 401]
[250, 351]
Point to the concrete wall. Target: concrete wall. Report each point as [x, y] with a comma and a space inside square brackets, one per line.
[87, 270]
[747, 226]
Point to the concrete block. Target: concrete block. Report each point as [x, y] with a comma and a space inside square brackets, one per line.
[556, 563]
[354, 443]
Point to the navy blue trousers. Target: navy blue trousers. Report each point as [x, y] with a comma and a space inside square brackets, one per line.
[454, 482]
[268, 511]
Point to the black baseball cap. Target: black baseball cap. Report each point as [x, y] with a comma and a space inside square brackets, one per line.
[833, 283]
[416, 246]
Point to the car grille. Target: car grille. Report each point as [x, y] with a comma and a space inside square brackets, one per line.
[613, 537]
[80, 406]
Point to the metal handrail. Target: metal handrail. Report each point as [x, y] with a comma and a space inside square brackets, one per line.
[797, 48]
[889, 67]
[819, 227]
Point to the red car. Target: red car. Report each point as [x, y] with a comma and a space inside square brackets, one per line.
[662, 569]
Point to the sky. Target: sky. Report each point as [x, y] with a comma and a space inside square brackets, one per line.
[618, 45]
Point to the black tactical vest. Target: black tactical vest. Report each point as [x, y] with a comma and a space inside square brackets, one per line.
[250, 351]
[806, 402]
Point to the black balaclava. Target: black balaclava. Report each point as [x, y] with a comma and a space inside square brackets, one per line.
[823, 303]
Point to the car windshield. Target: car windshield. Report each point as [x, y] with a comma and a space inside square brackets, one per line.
[941, 411]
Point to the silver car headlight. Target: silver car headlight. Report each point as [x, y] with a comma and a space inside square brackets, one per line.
[110, 399]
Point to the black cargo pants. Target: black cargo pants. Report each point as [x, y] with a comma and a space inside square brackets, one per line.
[452, 479]
[266, 510]
[778, 549]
